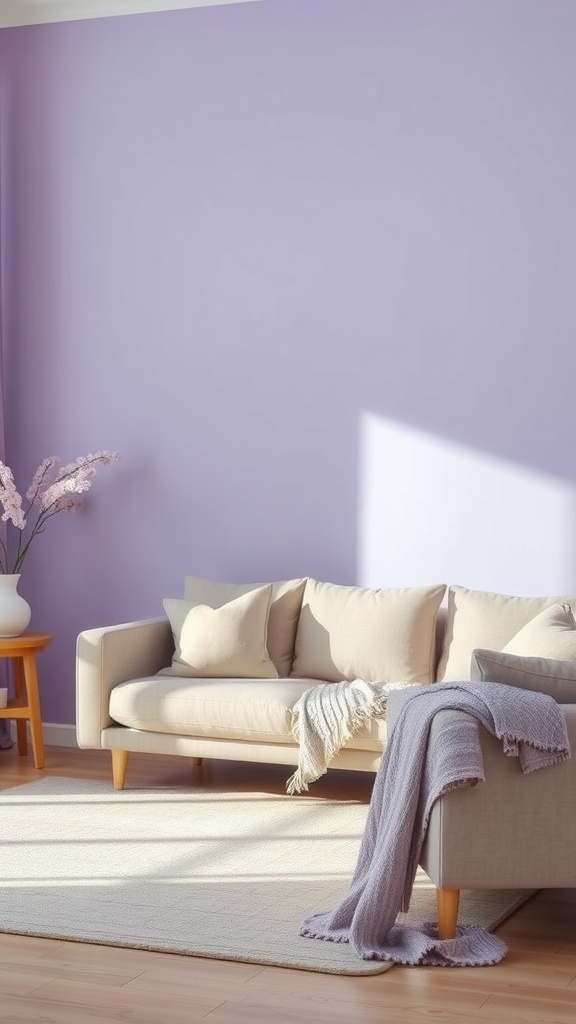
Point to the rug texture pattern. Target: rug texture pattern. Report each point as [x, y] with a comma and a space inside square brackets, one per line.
[222, 875]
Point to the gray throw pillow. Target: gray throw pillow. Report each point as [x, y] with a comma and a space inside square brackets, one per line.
[546, 675]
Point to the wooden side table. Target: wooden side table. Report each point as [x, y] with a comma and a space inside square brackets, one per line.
[25, 705]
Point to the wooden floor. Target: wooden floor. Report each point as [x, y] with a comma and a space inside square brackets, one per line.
[51, 982]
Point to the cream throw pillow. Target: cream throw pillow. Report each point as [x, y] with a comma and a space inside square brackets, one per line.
[551, 634]
[227, 642]
[285, 607]
[349, 632]
[481, 619]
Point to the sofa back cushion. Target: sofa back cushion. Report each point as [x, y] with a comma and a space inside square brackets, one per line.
[282, 616]
[225, 642]
[482, 619]
[349, 632]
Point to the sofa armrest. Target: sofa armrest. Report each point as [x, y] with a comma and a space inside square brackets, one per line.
[111, 655]
[511, 831]
[394, 703]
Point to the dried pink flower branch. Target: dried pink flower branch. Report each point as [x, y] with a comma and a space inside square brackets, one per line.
[49, 493]
[10, 499]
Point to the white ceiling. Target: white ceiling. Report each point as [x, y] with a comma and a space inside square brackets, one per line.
[33, 12]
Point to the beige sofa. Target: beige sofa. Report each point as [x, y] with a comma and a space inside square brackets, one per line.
[219, 674]
[223, 685]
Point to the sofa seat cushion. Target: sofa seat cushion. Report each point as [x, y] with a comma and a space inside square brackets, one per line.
[246, 709]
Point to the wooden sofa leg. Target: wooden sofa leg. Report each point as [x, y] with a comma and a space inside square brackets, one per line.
[119, 765]
[196, 761]
[447, 901]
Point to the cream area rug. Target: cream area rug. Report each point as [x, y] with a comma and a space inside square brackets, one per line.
[213, 874]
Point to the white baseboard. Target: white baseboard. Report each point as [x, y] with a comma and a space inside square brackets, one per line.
[54, 734]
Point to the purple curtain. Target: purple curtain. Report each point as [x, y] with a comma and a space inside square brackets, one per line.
[5, 740]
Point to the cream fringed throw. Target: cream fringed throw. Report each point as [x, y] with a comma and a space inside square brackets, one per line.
[411, 777]
[326, 716]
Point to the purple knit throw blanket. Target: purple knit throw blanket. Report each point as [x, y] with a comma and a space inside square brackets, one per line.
[411, 777]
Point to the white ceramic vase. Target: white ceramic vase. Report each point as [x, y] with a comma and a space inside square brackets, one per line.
[15, 612]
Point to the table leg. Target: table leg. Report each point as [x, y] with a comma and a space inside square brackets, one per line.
[19, 693]
[31, 680]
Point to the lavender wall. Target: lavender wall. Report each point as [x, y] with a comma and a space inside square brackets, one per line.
[230, 233]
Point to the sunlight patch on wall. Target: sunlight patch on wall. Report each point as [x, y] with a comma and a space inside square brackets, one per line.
[431, 511]
[35, 12]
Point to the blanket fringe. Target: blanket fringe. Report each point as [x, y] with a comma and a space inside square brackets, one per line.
[326, 717]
